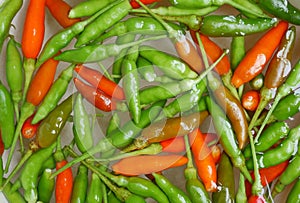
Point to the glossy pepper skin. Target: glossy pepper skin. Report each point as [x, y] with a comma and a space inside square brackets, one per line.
[46, 186]
[94, 194]
[287, 107]
[51, 126]
[294, 195]
[80, 185]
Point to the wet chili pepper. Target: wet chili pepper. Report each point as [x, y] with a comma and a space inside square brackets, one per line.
[88, 8]
[281, 153]
[60, 10]
[7, 123]
[9, 9]
[80, 185]
[101, 24]
[94, 194]
[231, 26]
[294, 195]
[14, 73]
[250, 100]
[52, 125]
[55, 93]
[29, 130]
[269, 137]
[45, 186]
[258, 82]
[281, 9]
[287, 107]
[174, 193]
[146, 69]
[226, 193]
[83, 135]
[97, 79]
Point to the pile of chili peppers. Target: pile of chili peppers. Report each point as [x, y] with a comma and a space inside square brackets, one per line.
[101, 111]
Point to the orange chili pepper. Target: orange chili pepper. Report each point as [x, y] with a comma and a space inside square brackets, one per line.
[175, 145]
[60, 11]
[29, 130]
[258, 56]
[64, 183]
[204, 160]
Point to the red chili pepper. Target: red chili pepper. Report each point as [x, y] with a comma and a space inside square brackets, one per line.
[175, 145]
[259, 55]
[213, 52]
[96, 97]
[1, 144]
[267, 175]
[250, 100]
[34, 29]
[64, 183]
[204, 161]
[257, 199]
[60, 11]
[134, 4]
[97, 79]
[29, 130]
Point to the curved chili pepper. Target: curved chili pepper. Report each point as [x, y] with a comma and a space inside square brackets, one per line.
[45, 186]
[29, 130]
[101, 24]
[60, 10]
[204, 161]
[97, 79]
[293, 196]
[80, 185]
[258, 56]
[9, 9]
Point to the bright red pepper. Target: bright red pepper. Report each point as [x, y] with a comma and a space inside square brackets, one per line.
[64, 183]
[257, 199]
[29, 130]
[134, 4]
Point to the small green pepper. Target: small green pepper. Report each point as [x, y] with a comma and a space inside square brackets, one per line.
[46, 186]
[80, 185]
[94, 194]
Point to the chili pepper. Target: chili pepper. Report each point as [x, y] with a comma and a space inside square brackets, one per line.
[9, 9]
[83, 135]
[291, 173]
[32, 37]
[1, 147]
[250, 100]
[216, 153]
[269, 137]
[94, 53]
[281, 9]
[170, 128]
[51, 126]
[174, 193]
[111, 197]
[135, 4]
[145, 164]
[94, 194]
[14, 73]
[175, 145]
[267, 175]
[230, 26]
[64, 180]
[137, 25]
[279, 68]
[286, 88]
[12, 196]
[241, 192]
[206, 167]
[225, 180]
[114, 123]
[146, 69]
[227, 137]
[131, 83]
[29, 174]
[103, 22]
[80, 185]
[97, 79]
[62, 38]
[281, 153]
[60, 10]
[258, 56]
[294, 193]
[7, 123]
[193, 185]
[258, 82]
[45, 186]
[257, 199]
[287, 107]
[139, 186]
[29, 130]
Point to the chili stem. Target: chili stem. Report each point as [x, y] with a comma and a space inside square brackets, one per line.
[29, 67]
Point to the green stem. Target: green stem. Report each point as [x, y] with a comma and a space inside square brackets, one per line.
[29, 67]
[105, 72]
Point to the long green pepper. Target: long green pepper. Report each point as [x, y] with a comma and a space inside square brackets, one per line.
[46, 186]
[80, 185]
[94, 194]
[294, 194]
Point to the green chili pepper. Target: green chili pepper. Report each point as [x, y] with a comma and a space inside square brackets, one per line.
[258, 82]
[14, 73]
[95, 53]
[111, 197]
[283, 152]
[282, 9]
[294, 194]
[225, 180]
[227, 137]
[12, 196]
[174, 193]
[287, 107]
[114, 123]
[269, 137]
[61, 39]
[55, 93]
[80, 185]
[83, 135]
[9, 9]
[230, 26]
[291, 173]
[131, 83]
[52, 125]
[88, 8]
[146, 69]
[46, 186]
[241, 195]
[94, 194]
[29, 174]
[103, 22]
[7, 123]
